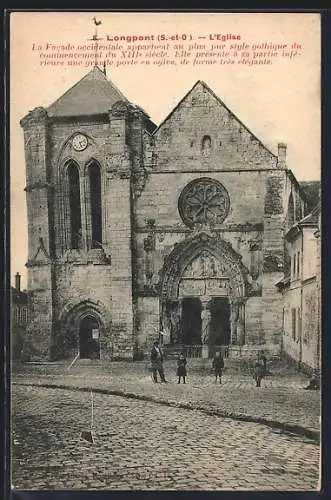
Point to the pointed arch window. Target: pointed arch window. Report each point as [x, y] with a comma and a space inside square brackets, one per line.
[74, 205]
[206, 145]
[94, 178]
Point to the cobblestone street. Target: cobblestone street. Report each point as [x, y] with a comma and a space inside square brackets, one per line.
[141, 445]
[281, 397]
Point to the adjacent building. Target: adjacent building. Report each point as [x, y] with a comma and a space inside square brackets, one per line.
[301, 288]
[19, 317]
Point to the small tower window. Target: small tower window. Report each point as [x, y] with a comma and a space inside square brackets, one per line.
[206, 145]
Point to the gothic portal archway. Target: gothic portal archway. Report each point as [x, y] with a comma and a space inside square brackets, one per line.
[82, 329]
[206, 272]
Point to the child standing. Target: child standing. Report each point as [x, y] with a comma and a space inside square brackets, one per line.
[259, 369]
[181, 368]
[218, 365]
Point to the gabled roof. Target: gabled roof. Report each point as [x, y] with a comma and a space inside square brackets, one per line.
[94, 94]
[310, 220]
[18, 297]
[283, 283]
[312, 190]
[203, 84]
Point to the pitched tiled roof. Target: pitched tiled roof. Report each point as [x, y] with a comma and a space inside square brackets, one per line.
[18, 297]
[312, 218]
[312, 190]
[93, 94]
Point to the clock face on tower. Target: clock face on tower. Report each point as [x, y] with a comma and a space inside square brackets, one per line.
[79, 142]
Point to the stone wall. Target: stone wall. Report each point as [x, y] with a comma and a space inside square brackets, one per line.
[310, 325]
[39, 329]
[149, 321]
[302, 295]
[254, 181]
[142, 177]
[179, 140]
[159, 199]
[291, 343]
[84, 275]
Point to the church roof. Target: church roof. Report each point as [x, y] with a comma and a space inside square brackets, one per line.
[94, 94]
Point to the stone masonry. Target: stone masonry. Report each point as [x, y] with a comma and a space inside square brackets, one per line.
[198, 192]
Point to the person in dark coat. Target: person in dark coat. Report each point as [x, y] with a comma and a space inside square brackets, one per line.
[264, 362]
[157, 362]
[181, 368]
[259, 369]
[218, 365]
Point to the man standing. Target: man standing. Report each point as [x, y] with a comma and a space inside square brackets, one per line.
[157, 362]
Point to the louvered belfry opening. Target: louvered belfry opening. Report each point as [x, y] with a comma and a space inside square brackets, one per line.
[74, 204]
[95, 204]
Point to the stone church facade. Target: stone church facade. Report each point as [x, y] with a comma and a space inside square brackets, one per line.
[135, 229]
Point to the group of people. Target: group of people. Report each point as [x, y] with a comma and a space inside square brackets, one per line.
[157, 365]
[259, 368]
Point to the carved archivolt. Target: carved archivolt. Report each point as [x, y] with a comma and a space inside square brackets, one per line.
[74, 311]
[203, 256]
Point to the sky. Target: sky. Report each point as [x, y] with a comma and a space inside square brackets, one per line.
[278, 102]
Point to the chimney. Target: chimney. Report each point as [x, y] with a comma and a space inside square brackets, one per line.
[18, 282]
[281, 154]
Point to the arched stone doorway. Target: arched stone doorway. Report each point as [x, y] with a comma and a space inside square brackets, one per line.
[204, 275]
[89, 338]
[82, 330]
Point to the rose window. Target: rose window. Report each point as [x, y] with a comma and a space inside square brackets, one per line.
[203, 201]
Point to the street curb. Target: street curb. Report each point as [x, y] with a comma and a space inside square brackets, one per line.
[299, 430]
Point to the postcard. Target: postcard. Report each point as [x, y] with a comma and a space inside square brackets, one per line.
[165, 251]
